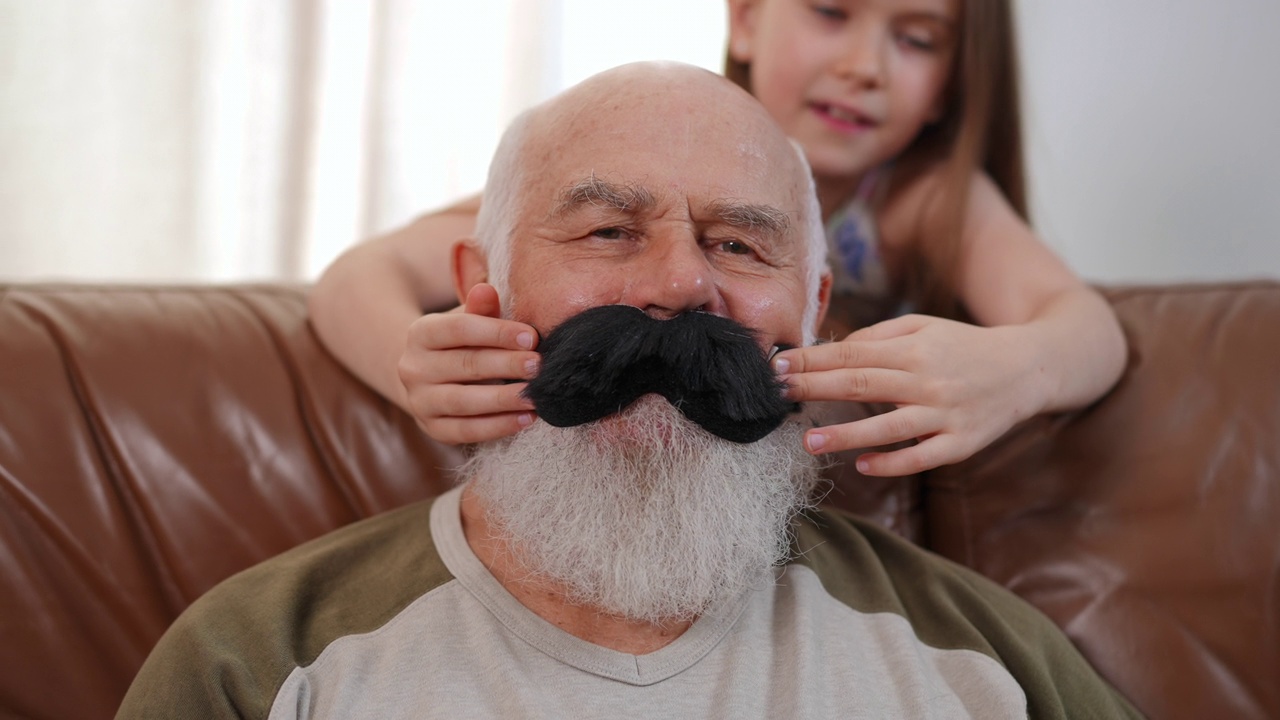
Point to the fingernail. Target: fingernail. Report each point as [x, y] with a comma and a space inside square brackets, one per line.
[816, 441]
[863, 466]
[531, 367]
[525, 419]
[525, 340]
[781, 366]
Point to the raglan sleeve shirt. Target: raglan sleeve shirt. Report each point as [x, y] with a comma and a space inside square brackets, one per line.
[331, 624]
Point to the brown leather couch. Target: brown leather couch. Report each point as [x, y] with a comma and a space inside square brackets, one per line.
[155, 440]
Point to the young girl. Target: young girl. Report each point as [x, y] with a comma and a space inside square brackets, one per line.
[908, 113]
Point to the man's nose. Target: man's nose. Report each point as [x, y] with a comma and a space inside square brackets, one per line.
[673, 276]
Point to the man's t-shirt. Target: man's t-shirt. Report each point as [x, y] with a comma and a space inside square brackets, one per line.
[395, 617]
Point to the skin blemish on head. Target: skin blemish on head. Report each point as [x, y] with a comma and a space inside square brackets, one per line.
[752, 150]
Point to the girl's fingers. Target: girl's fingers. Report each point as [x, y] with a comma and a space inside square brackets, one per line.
[905, 423]
[470, 366]
[925, 455]
[459, 431]
[482, 299]
[892, 328]
[469, 401]
[897, 463]
[446, 331]
[859, 384]
[834, 356]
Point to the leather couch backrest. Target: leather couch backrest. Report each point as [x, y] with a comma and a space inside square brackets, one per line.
[1148, 525]
[152, 442]
[155, 440]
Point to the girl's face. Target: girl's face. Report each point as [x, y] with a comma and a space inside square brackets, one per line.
[853, 81]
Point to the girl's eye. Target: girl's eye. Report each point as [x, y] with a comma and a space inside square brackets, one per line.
[830, 12]
[924, 39]
[917, 42]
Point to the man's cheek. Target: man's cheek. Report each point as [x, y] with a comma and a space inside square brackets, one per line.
[777, 319]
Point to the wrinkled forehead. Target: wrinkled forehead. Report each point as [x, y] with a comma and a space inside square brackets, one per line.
[711, 143]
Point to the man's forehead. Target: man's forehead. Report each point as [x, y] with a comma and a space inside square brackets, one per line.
[711, 150]
[627, 136]
[660, 167]
[767, 211]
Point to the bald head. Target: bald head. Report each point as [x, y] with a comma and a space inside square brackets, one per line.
[662, 101]
[627, 140]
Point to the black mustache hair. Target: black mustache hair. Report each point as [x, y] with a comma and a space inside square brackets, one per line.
[709, 367]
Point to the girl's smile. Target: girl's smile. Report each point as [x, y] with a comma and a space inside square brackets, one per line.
[854, 81]
[843, 118]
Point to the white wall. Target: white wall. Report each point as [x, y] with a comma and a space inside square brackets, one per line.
[154, 140]
[1153, 126]
[71, 136]
[151, 140]
[1154, 135]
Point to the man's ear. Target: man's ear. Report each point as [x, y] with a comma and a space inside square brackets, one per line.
[470, 267]
[824, 299]
[742, 29]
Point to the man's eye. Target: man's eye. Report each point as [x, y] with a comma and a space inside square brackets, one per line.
[733, 247]
[610, 233]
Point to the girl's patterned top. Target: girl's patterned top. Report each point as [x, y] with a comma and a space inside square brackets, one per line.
[862, 292]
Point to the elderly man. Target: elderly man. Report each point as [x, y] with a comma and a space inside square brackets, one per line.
[637, 565]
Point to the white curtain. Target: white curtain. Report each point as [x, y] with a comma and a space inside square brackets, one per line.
[177, 140]
[181, 140]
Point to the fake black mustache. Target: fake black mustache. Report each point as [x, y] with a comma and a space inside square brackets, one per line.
[711, 368]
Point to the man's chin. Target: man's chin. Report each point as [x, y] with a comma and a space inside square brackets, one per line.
[649, 421]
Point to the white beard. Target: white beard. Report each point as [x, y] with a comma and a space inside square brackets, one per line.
[644, 515]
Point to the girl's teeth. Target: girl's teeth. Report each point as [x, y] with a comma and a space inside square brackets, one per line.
[840, 114]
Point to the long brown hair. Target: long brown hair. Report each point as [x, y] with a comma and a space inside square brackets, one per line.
[980, 129]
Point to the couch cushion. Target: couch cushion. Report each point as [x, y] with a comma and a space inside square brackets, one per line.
[1148, 525]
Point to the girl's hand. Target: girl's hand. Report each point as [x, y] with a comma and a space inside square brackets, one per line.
[956, 388]
[454, 365]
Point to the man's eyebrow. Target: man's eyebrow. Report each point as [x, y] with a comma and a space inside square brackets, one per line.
[752, 216]
[594, 192]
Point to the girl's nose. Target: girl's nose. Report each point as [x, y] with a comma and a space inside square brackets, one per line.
[863, 61]
[672, 277]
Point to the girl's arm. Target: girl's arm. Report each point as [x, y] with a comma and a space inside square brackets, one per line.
[1045, 342]
[367, 308]
[1009, 277]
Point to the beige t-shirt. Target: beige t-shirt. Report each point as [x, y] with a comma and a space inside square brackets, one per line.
[395, 617]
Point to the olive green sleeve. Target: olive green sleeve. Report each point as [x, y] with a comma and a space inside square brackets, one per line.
[229, 653]
[952, 607]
